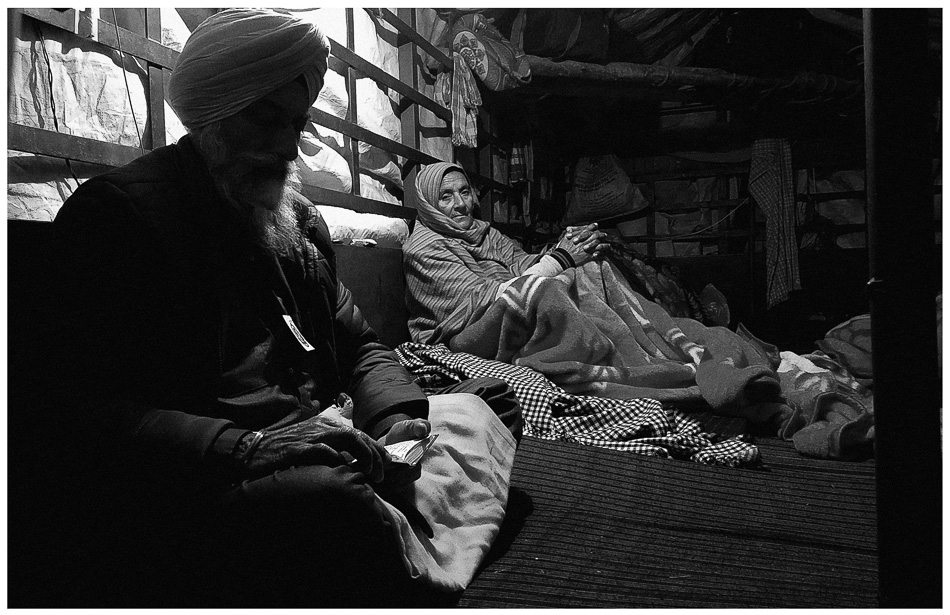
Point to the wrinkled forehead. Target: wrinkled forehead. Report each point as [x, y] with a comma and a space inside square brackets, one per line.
[453, 179]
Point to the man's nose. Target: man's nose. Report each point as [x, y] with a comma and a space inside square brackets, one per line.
[286, 141]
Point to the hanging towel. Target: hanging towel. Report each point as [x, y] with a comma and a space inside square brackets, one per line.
[465, 102]
[770, 183]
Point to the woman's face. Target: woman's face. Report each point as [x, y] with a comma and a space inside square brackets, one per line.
[456, 199]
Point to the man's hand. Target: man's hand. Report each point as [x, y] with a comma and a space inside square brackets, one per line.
[413, 429]
[399, 474]
[319, 441]
[583, 243]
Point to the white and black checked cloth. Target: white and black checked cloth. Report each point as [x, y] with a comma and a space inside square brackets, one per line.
[642, 426]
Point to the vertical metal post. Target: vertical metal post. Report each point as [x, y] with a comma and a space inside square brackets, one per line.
[904, 268]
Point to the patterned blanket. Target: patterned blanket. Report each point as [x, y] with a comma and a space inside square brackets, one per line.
[590, 333]
[641, 426]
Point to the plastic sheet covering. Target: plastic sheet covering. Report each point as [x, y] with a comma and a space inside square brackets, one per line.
[88, 99]
[38, 185]
[374, 108]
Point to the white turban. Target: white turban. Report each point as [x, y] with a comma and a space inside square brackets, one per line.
[237, 57]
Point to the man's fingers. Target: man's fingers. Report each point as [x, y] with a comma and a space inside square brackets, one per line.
[367, 455]
[321, 455]
[420, 428]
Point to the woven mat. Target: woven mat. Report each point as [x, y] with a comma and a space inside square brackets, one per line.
[599, 528]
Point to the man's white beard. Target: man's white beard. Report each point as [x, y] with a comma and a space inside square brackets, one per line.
[267, 209]
[277, 229]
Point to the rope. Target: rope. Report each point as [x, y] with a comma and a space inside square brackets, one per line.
[713, 225]
[52, 100]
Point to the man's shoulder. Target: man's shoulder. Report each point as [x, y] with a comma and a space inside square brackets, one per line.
[148, 183]
[162, 165]
[312, 225]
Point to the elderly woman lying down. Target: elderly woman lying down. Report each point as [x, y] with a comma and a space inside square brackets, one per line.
[569, 314]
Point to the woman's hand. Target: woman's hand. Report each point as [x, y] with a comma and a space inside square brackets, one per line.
[583, 243]
[319, 441]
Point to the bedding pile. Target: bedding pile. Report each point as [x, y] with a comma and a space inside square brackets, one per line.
[595, 362]
[643, 426]
[590, 333]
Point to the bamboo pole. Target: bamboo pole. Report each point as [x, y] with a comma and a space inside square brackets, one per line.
[656, 76]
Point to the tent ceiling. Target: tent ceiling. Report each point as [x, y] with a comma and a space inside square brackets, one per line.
[795, 72]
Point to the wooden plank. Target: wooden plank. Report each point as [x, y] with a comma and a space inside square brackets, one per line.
[63, 19]
[656, 76]
[153, 24]
[49, 143]
[380, 76]
[409, 118]
[359, 133]
[651, 219]
[486, 182]
[720, 204]
[351, 109]
[131, 43]
[684, 238]
[821, 197]
[410, 32]
[156, 105]
[156, 82]
[323, 196]
[697, 174]
[135, 45]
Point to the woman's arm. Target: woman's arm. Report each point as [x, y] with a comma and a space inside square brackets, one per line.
[442, 290]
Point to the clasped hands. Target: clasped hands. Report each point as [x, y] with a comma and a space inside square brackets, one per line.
[323, 441]
[583, 243]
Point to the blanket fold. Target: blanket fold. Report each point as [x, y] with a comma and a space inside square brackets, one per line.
[590, 333]
[829, 413]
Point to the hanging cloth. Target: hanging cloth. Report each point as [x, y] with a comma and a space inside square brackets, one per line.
[770, 184]
[464, 103]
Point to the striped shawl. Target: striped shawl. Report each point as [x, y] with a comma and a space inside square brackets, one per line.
[450, 283]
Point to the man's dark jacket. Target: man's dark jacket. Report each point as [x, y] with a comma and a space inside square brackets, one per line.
[175, 338]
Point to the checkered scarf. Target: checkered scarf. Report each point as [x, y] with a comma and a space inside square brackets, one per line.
[642, 426]
[770, 184]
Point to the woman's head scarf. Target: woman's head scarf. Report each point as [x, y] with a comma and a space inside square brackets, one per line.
[427, 188]
[237, 57]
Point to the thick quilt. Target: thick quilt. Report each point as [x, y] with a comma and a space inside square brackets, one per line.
[588, 332]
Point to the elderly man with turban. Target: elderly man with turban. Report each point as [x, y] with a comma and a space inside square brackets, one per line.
[206, 334]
